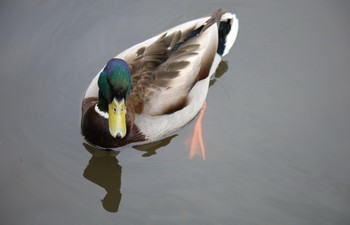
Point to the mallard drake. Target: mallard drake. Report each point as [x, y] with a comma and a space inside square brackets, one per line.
[157, 86]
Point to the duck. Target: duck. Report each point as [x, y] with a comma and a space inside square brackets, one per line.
[157, 86]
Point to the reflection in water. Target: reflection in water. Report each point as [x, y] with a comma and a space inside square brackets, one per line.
[222, 68]
[103, 169]
[151, 148]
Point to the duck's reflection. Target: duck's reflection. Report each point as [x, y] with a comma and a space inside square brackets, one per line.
[151, 148]
[222, 68]
[103, 169]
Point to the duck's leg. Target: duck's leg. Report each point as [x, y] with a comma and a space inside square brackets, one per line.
[197, 138]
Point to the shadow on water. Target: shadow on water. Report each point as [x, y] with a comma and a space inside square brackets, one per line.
[104, 170]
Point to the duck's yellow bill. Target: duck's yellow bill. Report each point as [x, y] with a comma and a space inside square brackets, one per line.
[116, 118]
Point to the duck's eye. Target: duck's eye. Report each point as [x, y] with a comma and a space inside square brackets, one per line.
[114, 109]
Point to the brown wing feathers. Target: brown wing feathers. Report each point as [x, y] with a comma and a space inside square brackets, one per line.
[156, 65]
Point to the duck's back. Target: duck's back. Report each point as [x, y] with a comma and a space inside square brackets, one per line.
[164, 69]
[171, 72]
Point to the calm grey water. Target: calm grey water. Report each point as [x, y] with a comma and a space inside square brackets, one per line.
[276, 129]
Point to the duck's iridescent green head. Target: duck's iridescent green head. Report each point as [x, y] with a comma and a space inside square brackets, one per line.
[114, 85]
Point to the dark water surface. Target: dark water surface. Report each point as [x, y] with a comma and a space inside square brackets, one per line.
[276, 129]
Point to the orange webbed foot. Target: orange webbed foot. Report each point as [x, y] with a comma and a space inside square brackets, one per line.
[197, 146]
